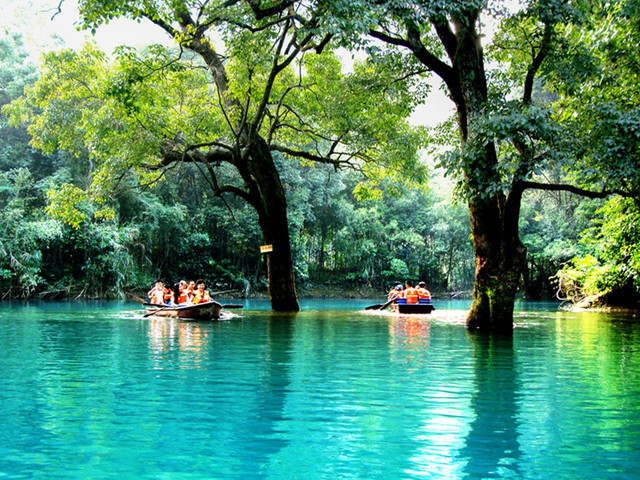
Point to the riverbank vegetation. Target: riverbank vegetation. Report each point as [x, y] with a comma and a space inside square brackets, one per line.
[362, 209]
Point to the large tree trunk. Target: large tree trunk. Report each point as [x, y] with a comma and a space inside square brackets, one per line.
[271, 205]
[494, 217]
[500, 258]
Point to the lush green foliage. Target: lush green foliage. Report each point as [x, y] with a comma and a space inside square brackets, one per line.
[263, 87]
[178, 230]
[108, 215]
[551, 225]
[600, 102]
[54, 244]
[611, 271]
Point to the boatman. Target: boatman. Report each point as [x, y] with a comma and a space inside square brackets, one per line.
[395, 291]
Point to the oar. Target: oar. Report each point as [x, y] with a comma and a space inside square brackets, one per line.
[381, 306]
[385, 305]
[374, 307]
[229, 306]
[139, 300]
[164, 307]
[135, 298]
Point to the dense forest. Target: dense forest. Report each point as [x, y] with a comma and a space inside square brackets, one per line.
[57, 239]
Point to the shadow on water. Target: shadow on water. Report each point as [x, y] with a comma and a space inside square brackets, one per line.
[275, 382]
[491, 447]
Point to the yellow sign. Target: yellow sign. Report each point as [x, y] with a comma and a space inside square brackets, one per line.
[266, 248]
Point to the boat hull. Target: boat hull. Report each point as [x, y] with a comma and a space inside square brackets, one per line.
[201, 311]
[412, 308]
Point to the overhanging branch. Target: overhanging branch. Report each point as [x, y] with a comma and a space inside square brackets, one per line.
[313, 157]
[274, 9]
[573, 189]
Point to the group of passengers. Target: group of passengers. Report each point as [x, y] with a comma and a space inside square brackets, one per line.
[410, 294]
[183, 293]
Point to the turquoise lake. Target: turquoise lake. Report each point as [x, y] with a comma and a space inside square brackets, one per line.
[92, 390]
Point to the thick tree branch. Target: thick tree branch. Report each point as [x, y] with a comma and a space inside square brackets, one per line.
[446, 35]
[275, 70]
[573, 189]
[196, 41]
[275, 9]
[263, 26]
[537, 63]
[413, 43]
[171, 154]
[385, 37]
[325, 41]
[313, 157]
[207, 159]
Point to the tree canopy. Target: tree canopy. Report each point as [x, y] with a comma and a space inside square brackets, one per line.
[512, 134]
[244, 83]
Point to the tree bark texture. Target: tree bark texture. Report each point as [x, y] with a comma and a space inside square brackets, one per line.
[263, 180]
[500, 258]
[499, 253]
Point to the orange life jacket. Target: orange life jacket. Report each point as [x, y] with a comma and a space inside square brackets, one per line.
[182, 297]
[394, 293]
[411, 294]
[201, 299]
[168, 295]
[423, 293]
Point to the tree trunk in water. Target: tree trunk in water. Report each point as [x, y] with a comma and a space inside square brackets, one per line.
[500, 258]
[271, 205]
[494, 216]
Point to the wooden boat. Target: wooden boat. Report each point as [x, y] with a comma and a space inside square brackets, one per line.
[201, 311]
[423, 307]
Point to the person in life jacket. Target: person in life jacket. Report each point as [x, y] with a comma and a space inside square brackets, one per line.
[181, 294]
[169, 298]
[156, 294]
[423, 293]
[410, 293]
[395, 291]
[191, 290]
[201, 295]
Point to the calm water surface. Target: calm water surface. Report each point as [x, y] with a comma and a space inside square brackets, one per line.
[93, 390]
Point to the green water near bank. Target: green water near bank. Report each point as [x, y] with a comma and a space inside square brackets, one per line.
[93, 390]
